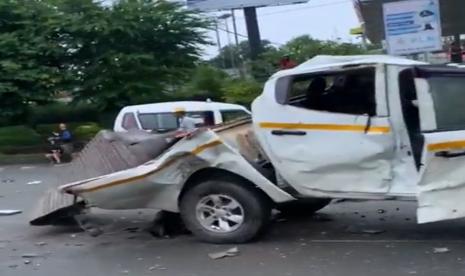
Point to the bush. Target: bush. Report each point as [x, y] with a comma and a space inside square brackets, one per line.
[80, 130]
[86, 132]
[242, 91]
[15, 139]
[62, 113]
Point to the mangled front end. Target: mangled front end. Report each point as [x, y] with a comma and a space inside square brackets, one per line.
[158, 183]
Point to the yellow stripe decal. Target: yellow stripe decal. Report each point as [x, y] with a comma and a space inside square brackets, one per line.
[195, 151]
[451, 145]
[325, 127]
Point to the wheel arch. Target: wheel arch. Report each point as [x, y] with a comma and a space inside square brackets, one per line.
[265, 187]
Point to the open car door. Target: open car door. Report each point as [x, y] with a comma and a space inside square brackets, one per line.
[441, 103]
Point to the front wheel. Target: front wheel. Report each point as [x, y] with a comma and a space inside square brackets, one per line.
[220, 211]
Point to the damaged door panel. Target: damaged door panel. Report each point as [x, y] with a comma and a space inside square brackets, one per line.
[328, 137]
[442, 185]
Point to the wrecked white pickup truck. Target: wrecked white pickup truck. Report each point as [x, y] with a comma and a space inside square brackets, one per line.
[364, 127]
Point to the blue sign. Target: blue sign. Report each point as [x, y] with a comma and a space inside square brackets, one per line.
[412, 26]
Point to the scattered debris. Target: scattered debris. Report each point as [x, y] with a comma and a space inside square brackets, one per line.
[35, 182]
[157, 266]
[363, 216]
[125, 271]
[9, 212]
[132, 229]
[438, 250]
[397, 209]
[40, 243]
[407, 219]
[140, 259]
[73, 236]
[381, 211]
[30, 255]
[78, 244]
[7, 180]
[27, 261]
[355, 230]
[13, 266]
[281, 220]
[228, 253]
[27, 167]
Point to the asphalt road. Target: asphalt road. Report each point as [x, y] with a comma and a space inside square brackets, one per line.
[342, 240]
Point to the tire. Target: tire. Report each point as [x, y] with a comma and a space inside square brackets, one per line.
[307, 206]
[253, 204]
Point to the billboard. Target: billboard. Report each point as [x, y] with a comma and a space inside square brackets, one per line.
[412, 26]
[214, 5]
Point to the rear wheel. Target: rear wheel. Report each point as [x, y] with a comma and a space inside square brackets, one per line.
[220, 211]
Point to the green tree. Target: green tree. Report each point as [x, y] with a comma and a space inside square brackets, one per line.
[242, 91]
[134, 51]
[206, 82]
[239, 53]
[30, 56]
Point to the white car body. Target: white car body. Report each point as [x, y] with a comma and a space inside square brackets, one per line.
[322, 154]
[163, 114]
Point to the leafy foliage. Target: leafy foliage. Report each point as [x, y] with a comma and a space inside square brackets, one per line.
[131, 52]
[30, 67]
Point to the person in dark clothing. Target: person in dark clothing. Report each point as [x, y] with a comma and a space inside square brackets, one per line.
[60, 142]
[314, 94]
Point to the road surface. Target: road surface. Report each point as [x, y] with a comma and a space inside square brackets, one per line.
[343, 239]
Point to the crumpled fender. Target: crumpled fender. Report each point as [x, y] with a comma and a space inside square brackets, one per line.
[158, 183]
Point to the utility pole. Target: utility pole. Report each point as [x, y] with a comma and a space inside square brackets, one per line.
[253, 32]
[218, 42]
[231, 47]
[239, 54]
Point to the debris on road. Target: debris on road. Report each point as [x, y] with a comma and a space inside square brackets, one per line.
[132, 229]
[7, 180]
[35, 182]
[8, 212]
[27, 261]
[27, 167]
[30, 255]
[355, 230]
[381, 211]
[13, 266]
[40, 243]
[232, 252]
[158, 267]
[438, 250]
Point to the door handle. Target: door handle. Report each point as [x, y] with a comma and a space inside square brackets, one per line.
[288, 132]
[448, 154]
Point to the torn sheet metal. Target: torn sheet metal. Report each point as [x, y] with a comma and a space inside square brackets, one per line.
[157, 183]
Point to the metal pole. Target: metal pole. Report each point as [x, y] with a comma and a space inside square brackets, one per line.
[253, 31]
[233, 63]
[238, 50]
[218, 42]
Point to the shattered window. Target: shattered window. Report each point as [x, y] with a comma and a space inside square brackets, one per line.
[348, 91]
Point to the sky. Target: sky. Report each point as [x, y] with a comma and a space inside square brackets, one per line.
[321, 19]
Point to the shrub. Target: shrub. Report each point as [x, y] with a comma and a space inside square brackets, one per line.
[242, 91]
[80, 130]
[16, 139]
[86, 132]
[62, 113]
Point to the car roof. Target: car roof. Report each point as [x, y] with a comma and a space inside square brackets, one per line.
[322, 62]
[186, 105]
